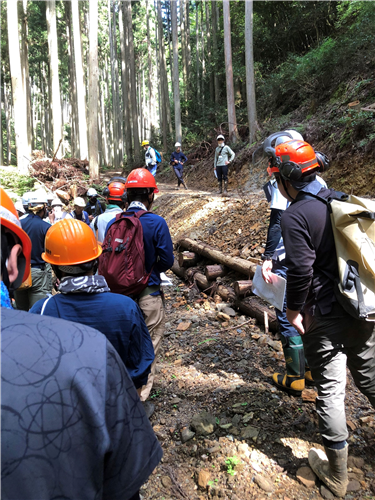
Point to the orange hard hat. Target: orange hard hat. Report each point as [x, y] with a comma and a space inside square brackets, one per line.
[116, 191]
[9, 219]
[296, 159]
[70, 242]
[141, 178]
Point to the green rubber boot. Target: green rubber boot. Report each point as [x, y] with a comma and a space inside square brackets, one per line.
[293, 381]
[220, 183]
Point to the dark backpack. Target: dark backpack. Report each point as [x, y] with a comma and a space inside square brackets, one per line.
[122, 262]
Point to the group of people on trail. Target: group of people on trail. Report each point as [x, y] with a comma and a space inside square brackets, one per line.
[85, 381]
[79, 352]
[315, 324]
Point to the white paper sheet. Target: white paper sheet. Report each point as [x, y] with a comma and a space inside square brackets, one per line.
[272, 293]
[165, 281]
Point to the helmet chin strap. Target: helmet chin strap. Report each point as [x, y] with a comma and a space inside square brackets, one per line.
[286, 189]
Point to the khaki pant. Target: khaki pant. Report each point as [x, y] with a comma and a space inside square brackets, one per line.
[41, 286]
[153, 311]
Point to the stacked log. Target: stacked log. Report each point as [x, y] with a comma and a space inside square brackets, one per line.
[185, 268]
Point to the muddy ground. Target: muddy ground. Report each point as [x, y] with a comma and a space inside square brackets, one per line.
[253, 440]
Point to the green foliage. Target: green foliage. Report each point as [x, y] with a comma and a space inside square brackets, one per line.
[231, 463]
[12, 180]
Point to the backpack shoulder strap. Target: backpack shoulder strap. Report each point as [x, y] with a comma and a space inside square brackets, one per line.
[45, 304]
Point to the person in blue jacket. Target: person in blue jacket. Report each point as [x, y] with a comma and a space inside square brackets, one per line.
[177, 161]
[158, 246]
[79, 211]
[85, 298]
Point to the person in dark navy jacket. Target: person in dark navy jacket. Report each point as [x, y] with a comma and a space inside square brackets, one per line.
[158, 246]
[177, 161]
[85, 298]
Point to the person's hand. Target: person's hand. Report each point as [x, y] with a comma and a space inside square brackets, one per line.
[51, 217]
[227, 163]
[295, 318]
[266, 271]
[91, 217]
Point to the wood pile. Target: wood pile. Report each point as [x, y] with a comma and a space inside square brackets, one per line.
[208, 279]
[68, 175]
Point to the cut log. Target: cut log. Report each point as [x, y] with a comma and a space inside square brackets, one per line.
[187, 259]
[201, 281]
[240, 265]
[215, 271]
[226, 293]
[179, 271]
[254, 308]
[243, 288]
[190, 273]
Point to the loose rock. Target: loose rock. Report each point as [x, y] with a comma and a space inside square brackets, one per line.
[306, 476]
[353, 485]
[203, 423]
[249, 432]
[186, 435]
[263, 483]
[203, 478]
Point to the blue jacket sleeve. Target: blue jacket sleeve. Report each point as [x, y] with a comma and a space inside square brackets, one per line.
[185, 157]
[141, 351]
[164, 247]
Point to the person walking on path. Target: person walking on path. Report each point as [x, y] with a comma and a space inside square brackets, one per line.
[332, 338]
[158, 247]
[76, 407]
[223, 156]
[41, 276]
[150, 157]
[177, 161]
[94, 207]
[116, 198]
[73, 252]
[79, 211]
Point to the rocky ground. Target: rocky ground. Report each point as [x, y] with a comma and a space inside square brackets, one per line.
[226, 431]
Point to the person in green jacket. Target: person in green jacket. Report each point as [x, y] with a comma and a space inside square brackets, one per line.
[223, 156]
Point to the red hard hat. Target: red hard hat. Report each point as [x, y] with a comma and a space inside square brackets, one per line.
[141, 178]
[9, 219]
[295, 156]
[116, 190]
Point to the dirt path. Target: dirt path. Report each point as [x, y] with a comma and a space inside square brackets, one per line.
[254, 431]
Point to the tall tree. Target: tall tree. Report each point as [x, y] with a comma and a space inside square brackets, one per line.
[250, 80]
[197, 51]
[25, 71]
[209, 52]
[125, 86]
[93, 91]
[54, 75]
[187, 36]
[215, 51]
[166, 110]
[72, 87]
[183, 47]
[229, 74]
[19, 100]
[7, 121]
[151, 103]
[176, 74]
[133, 89]
[80, 84]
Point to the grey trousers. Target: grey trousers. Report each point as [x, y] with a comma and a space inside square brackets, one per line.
[41, 286]
[332, 342]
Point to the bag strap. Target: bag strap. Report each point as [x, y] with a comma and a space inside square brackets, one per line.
[45, 304]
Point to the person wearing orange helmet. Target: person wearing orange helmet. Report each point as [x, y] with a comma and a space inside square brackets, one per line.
[73, 252]
[141, 188]
[332, 338]
[116, 197]
[77, 408]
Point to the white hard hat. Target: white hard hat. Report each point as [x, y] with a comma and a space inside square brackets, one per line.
[25, 198]
[19, 207]
[38, 197]
[79, 202]
[177, 145]
[220, 137]
[91, 192]
[56, 202]
[285, 138]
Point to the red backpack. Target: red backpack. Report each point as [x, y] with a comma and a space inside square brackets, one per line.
[122, 262]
